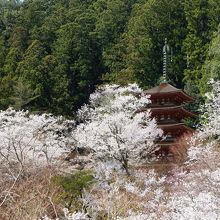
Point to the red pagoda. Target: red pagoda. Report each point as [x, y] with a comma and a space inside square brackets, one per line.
[167, 106]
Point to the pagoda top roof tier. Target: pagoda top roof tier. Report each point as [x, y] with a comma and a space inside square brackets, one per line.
[165, 89]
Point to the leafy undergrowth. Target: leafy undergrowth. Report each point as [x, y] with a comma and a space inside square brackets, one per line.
[73, 186]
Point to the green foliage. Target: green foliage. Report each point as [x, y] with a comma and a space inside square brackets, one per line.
[2, 54]
[138, 53]
[202, 20]
[111, 18]
[23, 95]
[78, 58]
[195, 44]
[72, 188]
[58, 51]
[211, 68]
[34, 70]
[6, 90]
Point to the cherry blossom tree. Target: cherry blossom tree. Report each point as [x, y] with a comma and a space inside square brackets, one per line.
[111, 127]
[210, 118]
[115, 196]
[29, 142]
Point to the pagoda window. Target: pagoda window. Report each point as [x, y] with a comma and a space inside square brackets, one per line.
[169, 135]
[162, 117]
[168, 117]
[163, 101]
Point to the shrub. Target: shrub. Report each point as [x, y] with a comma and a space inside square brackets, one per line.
[72, 188]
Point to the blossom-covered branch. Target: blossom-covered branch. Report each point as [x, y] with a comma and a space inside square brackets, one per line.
[111, 127]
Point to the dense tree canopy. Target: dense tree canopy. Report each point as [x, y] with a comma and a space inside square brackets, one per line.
[58, 51]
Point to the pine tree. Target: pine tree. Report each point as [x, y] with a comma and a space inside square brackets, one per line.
[78, 56]
[211, 68]
[196, 42]
[139, 54]
[34, 70]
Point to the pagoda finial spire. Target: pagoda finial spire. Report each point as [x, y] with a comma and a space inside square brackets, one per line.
[166, 51]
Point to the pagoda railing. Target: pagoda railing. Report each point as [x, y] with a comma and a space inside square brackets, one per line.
[168, 121]
[162, 105]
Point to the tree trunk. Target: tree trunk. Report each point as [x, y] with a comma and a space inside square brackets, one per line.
[125, 166]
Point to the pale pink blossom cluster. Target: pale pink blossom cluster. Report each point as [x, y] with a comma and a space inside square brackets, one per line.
[38, 139]
[111, 127]
[118, 196]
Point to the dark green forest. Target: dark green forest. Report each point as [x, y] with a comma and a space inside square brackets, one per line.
[53, 53]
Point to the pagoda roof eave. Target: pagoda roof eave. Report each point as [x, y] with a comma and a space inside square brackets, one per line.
[168, 109]
[165, 89]
[177, 125]
[172, 125]
[173, 108]
[165, 144]
[180, 92]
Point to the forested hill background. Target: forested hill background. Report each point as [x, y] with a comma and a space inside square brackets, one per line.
[53, 53]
